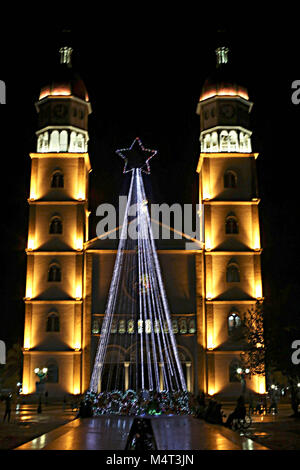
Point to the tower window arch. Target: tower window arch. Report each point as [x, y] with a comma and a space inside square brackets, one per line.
[52, 322]
[54, 273]
[234, 322]
[54, 141]
[182, 326]
[56, 226]
[230, 179]
[63, 141]
[57, 179]
[233, 141]
[231, 224]
[232, 272]
[96, 326]
[214, 142]
[192, 326]
[224, 141]
[72, 145]
[207, 143]
[175, 326]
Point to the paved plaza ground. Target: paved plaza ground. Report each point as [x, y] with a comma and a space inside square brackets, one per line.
[26, 423]
[56, 428]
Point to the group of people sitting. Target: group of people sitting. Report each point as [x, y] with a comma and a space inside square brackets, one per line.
[212, 412]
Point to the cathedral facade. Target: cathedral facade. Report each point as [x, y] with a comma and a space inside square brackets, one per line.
[68, 275]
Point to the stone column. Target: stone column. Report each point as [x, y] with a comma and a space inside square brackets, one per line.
[99, 381]
[126, 365]
[161, 375]
[188, 376]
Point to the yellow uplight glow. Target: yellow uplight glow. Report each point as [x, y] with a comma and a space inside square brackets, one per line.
[206, 195]
[80, 195]
[78, 292]
[27, 342]
[258, 291]
[211, 391]
[207, 243]
[32, 196]
[210, 342]
[24, 389]
[79, 243]
[257, 242]
[28, 291]
[260, 384]
[30, 244]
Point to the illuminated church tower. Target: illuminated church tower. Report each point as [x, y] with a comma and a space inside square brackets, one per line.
[232, 254]
[54, 336]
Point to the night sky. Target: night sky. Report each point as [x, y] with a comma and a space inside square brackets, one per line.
[144, 79]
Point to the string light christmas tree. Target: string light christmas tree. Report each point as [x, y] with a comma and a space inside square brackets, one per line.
[137, 320]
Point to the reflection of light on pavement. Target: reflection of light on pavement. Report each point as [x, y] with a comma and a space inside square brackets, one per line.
[221, 442]
[39, 442]
[247, 444]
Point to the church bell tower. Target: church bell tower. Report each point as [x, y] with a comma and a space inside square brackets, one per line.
[232, 249]
[54, 336]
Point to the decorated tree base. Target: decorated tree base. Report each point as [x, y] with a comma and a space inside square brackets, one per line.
[143, 403]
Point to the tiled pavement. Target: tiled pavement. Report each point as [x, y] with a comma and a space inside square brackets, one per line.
[111, 433]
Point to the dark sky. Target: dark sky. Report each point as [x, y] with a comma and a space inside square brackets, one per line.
[144, 79]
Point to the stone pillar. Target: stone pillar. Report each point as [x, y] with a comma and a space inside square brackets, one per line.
[188, 376]
[99, 381]
[126, 365]
[161, 375]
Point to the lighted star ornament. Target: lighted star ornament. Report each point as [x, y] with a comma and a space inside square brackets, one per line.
[136, 156]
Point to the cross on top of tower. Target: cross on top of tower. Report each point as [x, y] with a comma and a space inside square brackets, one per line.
[65, 55]
[222, 55]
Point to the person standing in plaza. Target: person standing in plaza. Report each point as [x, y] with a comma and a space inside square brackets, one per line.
[7, 408]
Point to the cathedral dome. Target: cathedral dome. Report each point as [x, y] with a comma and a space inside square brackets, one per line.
[222, 82]
[65, 81]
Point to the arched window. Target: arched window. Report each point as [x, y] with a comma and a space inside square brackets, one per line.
[224, 141]
[130, 327]
[72, 145]
[52, 322]
[231, 224]
[114, 326]
[175, 326]
[233, 374]
[63, 141]
[242, 142]
[232, 272]
[247, 143]
[230, 179]
[52, 374]
[54, 273]
[56, 225]
[80, 143]
[214, 142]
[54, 141]
[233, 142]
[234, 322]
[122, 327]
[40, 143]
[182, 326]
[156, 326]
[207, 143]
[57, 180]
[192, 326]
[96, 326]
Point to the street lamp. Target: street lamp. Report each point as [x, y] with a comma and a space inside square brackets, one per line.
[242, 373]
[41, 373]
